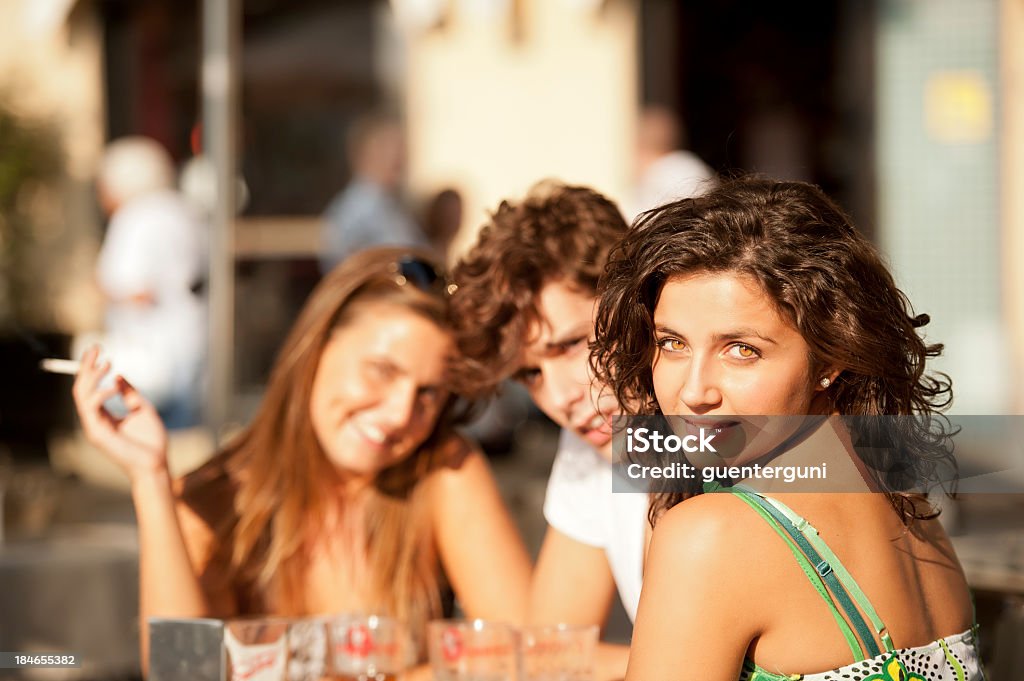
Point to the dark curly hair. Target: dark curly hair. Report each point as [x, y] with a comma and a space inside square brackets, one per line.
[824, 277]
[557, 232]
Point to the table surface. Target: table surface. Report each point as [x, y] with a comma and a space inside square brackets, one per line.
[74, 591]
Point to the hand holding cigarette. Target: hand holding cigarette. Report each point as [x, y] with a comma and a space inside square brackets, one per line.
[137, 441]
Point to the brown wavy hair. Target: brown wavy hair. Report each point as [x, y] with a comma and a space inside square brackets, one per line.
[822, 275]
[266, 496]
[558, 232]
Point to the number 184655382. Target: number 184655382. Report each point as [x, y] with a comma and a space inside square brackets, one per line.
[25, 660]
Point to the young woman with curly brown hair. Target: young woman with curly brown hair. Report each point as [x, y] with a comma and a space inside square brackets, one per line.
[761, 299]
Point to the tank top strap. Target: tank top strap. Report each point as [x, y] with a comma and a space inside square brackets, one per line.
[813, 576]
[824, 570]
[831, 563]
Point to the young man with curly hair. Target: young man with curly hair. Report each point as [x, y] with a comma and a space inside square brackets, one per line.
[527, 292]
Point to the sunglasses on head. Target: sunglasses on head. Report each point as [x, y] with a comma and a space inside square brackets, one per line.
[422, 274]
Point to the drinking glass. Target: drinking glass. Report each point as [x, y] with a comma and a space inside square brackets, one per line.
[307, 649]
[473, 650]
[257, 649]
[365, 648]
[559, 653]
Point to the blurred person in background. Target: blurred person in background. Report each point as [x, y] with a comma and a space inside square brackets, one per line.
[350, 491]
[151, 270]
[665, 170]
[442, 220]
[524, 309]
[198, 178]
[761, 298]
[369, 211]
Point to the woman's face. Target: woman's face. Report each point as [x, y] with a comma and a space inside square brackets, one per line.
[724, 351]
[379, 388]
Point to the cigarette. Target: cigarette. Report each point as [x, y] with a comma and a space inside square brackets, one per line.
[68, 367]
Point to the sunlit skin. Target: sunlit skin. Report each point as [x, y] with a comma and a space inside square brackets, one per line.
[724, 350]
[555, 365]
[378, 389]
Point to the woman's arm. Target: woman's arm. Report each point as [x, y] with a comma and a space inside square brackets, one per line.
[168, 581]
[697, 609]
[479, 545]
[137, 442]
[572, 583]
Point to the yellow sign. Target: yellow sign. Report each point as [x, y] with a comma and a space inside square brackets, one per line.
[958, 107]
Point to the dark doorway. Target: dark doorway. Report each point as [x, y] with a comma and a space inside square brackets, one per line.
[308, 69]
[784, 89]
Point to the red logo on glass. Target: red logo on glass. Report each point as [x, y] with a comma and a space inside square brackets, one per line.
[451, 644]
[359, 641]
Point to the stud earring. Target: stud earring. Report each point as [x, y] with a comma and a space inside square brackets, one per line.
[825, 382]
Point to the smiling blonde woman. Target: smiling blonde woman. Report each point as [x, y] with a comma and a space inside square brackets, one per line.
[349, 490]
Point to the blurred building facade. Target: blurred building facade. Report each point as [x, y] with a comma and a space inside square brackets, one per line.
[939, 177]
[51, 83]
[500, 95]
[908, 112]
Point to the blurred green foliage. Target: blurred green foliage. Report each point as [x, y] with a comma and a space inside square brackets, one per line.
[30, 160]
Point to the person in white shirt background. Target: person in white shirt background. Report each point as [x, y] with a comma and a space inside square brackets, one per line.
[665, 170]
[524, 309]
[151, 270]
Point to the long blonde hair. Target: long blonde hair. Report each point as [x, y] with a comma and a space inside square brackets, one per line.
[276, 469]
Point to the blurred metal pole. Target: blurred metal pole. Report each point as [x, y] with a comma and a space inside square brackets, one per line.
[222, 24]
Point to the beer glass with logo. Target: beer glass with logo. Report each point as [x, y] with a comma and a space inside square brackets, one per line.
[257, 649]
[366, 648]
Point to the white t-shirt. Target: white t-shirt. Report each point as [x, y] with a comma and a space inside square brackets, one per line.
[155, 244]
[581, 505]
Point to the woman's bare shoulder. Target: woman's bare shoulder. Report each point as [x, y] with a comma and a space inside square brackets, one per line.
[453, 450]
[206, 514]
[459, 466]
[718, 534]
[711, 522]
[451, 457]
